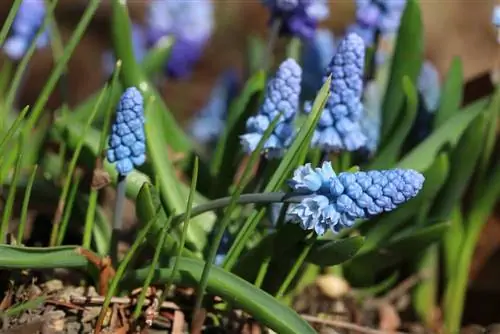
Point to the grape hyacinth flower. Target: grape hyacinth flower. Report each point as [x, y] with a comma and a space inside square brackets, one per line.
[210, 121]
[335, 201]
[191, 24]
[282, 96]
[28, 20]
[127, 143]
[338, 127]
[495, 19]
[316, 55]
[374, 16]
[429, 86]
[297, 17]
[371, 122]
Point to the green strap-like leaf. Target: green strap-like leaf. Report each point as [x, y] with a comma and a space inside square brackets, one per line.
[234, 290]
[333, 252]
[451, 94]
[15, 257]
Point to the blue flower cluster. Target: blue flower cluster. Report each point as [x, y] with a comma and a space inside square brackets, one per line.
[297, 17]
[371, 122]
[28, 20]
[282, 96]
[338, 128]
[495, 19]
[127, 143]
[336, 201]
[191, 24]
[429, 86]
[374, 16]
[209, 123]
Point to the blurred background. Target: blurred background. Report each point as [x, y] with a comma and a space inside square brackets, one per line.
[452, 28]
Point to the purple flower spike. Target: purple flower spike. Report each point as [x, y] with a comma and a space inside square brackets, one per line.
[191, 24]
[338, 128]
[282, 96]
[297, 17]
[127, 143]
[337, 201]
[374, 16]
[28, 20]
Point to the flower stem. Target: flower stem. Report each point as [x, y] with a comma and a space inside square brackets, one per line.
[118, 217]
[273, 37]
[296, 266]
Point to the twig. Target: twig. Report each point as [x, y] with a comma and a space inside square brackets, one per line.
[345, 325]
[65, 304]
[400, 290]
[126, 301]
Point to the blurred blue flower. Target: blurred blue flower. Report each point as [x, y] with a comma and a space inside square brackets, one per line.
[374, 16]
[371, 121]
[429, 86]
[338, 128]
[28, 20]
[343, 198]
[191, 24]
[316, 55]
[495, 19]
[297, 17]
[282, 96]
[127, 142]
[138, 44]
[209, 123]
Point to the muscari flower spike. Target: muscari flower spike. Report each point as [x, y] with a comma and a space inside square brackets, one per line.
[429, 86]
[209, 123]
[336, 201]
[338, 127]
[191, 24]
[127, 143]
[371, 121]
[297, 17]
[374, 16]
[282, 96]
[28, 20]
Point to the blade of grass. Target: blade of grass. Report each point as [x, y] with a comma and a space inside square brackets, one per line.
[8, 207]
[152, 269]
[113, 287]
[68, 208]
[13, 128]
[182, 242]
[25, 205]
[59, 68]
[71, 169]
[94, 192]
[22, 307]
[14, 7]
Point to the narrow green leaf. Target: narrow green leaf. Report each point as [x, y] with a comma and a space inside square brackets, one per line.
[262, 306]
[452, 243]
[25, 205]
[406, 62]
[333, 252]
[463, 160]
[155, 60]
[426, 291]
[12, 130]
[68, 208]
[391, 150]
[14, 7]
[421, 157]
[451, 95]
[15, 257]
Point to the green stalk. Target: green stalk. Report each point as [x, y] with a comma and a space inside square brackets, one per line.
[152, 268]
[189, 208]
[296, 266]
[9, 20]
[457, 286]
[242, 183]
[94, 193]
[71, 169]
[271, 42]
[13, 128]
[68, 208]
[7, 210]
[118, 217]
[59, 67]
[113, 287]
[24, 209]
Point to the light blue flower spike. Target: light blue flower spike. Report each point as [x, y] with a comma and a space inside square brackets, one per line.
[429, 86]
